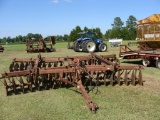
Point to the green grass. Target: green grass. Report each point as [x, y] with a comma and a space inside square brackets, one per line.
[115, 102]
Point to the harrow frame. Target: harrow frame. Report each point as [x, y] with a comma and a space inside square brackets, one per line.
[41, 46]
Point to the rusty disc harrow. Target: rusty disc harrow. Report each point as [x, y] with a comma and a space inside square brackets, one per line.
[54, 72]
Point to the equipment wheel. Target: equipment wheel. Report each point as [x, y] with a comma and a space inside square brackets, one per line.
[16, 67]
[89, 46]
[76, 46]
[102, 47]
[145, 62]
[22, 66]
[11, 68]
[84, 46]
[158, 63]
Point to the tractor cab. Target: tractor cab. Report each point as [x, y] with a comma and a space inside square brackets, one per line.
[89, 36]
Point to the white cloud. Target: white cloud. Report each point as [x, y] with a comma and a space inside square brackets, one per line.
[55, 1]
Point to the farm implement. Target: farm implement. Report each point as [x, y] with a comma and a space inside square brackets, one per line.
[1, 48]
[41, 46]
[148, 57]
[80, 72]
[148, 41]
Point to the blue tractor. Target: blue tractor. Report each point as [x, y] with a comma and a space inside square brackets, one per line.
[88, 42]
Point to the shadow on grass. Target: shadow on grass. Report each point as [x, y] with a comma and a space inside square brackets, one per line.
[19, 91]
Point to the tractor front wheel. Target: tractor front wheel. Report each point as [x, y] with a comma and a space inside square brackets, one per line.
[102, 47]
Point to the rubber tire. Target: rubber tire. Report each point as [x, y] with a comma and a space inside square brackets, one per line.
[158, 63]
[145, 62]
[86, 46]
[102, 47]
[76, 46]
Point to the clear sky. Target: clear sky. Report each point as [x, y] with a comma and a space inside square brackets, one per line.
[59, 17]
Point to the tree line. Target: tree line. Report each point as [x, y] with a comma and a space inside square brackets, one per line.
[125, 31]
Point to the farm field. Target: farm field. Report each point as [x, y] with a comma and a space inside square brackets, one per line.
[115, 102]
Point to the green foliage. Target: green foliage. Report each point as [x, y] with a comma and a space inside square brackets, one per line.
[131, 22]
[86, 28]
[74, 33]
[117, 24]
[127, 32]
[65, 37]
[21, 38]
[59, 38]
[34, 36]
[114, 33]
[131, 25]
[4, 40]
[98, 32]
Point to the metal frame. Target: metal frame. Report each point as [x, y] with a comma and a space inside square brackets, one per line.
[75, 71]
[41, 46]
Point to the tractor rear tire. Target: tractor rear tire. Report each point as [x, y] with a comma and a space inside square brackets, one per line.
[102, 47]
[89, 46]
[83, 44]
[76, 46]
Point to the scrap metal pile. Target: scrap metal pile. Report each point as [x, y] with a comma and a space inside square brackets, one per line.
[41, 46]
[79, 71]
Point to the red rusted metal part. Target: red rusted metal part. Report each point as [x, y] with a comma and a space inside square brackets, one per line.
[1, 48]
[54, 72]
[41, 46]
[102, 59]
[92, 106]
[147, 55]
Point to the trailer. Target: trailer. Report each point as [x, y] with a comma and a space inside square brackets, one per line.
[147, 56]
[115, 42]
[148, 41]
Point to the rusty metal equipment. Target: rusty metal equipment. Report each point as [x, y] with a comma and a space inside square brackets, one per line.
[148, 41]
[77, 71]
[41, 46]
[148, 32]
[148, 29]
[147, 56]
[1, 48]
